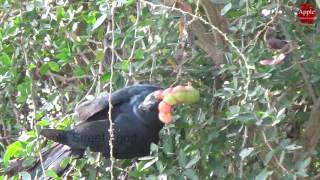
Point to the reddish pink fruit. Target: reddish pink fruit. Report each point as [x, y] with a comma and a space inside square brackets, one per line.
[178, 88]
[166, 92]
[164, 107]
[158, 94]
[165, 117]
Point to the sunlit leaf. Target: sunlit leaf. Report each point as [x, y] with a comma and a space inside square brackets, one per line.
[225, 9]
[60, 13]
[193, 160]
[139, 54]
[5, 59]
[105, 77]
[246, 152]
[99, 21]
[12, 150]
[99, 55]
[54, 66]
[51, 173]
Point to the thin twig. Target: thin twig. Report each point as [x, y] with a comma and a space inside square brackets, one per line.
[134, 42]
[34, 109]
[111, 132]
[89, 91]
[8, 137]
[307, 83]
[85, 59]
[68, 79]
[244, 142]
[271, 149]
[299, 62]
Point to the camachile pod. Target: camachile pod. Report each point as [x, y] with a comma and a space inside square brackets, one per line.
[182, 94]
[174, 96]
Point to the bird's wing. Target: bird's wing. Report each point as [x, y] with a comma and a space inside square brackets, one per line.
[88, 108]
[97, 108]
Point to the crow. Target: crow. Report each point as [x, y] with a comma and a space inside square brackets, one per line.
[136, 125]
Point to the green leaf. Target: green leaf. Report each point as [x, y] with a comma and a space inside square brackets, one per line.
[60, 13]
[92, 173]
[51, 173]
[130, 2]
[139, 54]
[148, 164]
[64, 163]
[105, 77]
[225, 9]
[160, 166]
[304, 164]
[99, 21]
[167, 146]
[182, 159]
[125, 65]
[39, 115]
[190, 174]
[246, 152]
[193, 161]
[23, 91]
[246, 118]
[54, 66]
[301, 173]
[145, 22]
[135, 174]
[154, 147]
[263, 175]
[78, 71]
[43, 123]
[268, 157]
[64, 54]
[5, 59]
[31, 66]
[12, 150]
[234, 109]
[44, 69]
[99, 54]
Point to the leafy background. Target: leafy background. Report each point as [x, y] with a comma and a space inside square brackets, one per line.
[253, 121]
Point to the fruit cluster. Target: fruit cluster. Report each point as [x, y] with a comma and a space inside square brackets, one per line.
[173, 96]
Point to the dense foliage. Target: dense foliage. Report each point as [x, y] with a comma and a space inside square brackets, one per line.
[252, 121]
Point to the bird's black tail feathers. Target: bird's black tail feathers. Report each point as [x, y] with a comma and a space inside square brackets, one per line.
[51, 159]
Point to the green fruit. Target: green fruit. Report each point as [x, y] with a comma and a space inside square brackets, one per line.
[191, 95]
[169, 99]
[179, 96]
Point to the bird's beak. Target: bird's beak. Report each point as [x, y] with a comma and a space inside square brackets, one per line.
[149, 101]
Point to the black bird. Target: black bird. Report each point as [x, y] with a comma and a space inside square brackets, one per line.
[136, 125]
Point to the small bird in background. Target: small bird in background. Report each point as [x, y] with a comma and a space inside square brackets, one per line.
[283, 47]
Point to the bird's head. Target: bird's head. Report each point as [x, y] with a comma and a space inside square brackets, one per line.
[147, 109]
